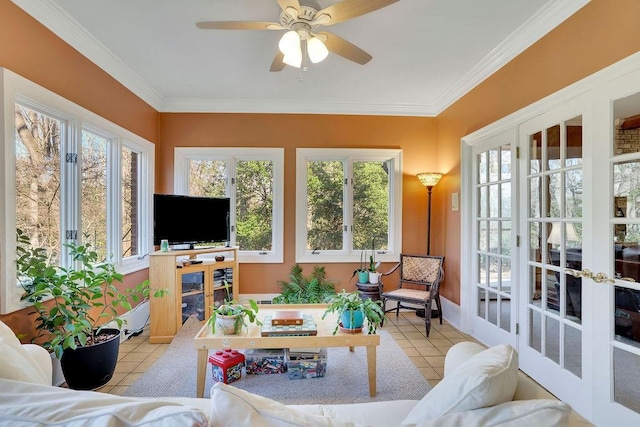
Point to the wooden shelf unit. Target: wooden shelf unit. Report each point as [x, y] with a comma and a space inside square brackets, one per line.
[167, 312]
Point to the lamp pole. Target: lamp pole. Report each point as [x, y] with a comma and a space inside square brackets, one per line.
[429, 188]
[429, 180]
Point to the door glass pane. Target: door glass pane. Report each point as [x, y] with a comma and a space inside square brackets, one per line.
[494, 165]
[505, 200]
[553, 147]
[483, 270]
[535, 330]
[505, 276]
[482, 201]
[505, 238]
[573, 350]
[493, 308]
[505, 311]
[371, 205]
[573, 193]
[552, 339]
[535, 280]
[555, 195]
[505, 160]
[494, 263]
[627, 251]
[626, 130]
[94, 192]
[627, 315]
[625, 386]
[494, 237]
[483, 239]
[482, 312]
[38, 142]
[535, 153]
[626, 189]
[130, 237]
[534, 241]
[494, 201]
[482, 168]
[254, 205]
[325, 205]
[573, 150]
[535, 205]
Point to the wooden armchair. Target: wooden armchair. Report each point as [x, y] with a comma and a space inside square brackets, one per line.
[420, 277]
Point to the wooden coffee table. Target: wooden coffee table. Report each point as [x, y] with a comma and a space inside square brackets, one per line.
[250, 338]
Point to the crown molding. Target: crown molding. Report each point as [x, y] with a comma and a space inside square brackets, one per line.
[64, 26]
[49, 14]
[533, 29]
[191, 105]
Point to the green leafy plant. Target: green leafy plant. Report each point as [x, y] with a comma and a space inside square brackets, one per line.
[84, 297]
[351, 301]
[373, 266]
[306, 290]
[239, 312]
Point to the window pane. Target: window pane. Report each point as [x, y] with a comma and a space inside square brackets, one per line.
[207, 178]
[325, 205]
[130, 203]
[371, 205]
[38, 139]
[254, 205]
[94, 192]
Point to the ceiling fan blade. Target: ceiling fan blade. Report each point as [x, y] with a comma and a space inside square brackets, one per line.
[277, 64]
[347, 50]
[284, 4]
[349, 9]
[239, 25]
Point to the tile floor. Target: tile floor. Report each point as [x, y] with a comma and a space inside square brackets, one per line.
[137, 354]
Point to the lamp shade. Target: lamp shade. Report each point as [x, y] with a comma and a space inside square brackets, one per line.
[289, 43]
[316, 49]
[429, 179]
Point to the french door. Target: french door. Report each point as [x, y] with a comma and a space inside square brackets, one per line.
[552, 239]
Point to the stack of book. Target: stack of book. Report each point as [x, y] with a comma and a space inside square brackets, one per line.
[289, 323]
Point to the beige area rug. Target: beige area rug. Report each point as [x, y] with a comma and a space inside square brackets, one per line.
[345, 381]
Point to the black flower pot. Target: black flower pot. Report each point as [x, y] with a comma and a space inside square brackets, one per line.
[91, 367]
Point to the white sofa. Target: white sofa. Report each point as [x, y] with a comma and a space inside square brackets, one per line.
[480, 388]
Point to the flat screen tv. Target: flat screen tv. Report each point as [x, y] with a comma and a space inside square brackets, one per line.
[190, 220]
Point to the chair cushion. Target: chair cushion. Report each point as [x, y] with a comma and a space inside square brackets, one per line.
[16, 363]
[408, 294]
[486, 379]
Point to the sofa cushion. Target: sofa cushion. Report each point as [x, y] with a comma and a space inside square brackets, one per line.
[486, 379]
[26, 404]
[460, 353]
[524, 413]
[233, 407]
[16, 363]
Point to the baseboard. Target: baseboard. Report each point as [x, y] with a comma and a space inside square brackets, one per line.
[451, 313]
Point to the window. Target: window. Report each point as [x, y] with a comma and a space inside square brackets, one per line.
[253, 178]
[71, 175]
[348, 201]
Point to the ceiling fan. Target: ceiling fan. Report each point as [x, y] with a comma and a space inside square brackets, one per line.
[303, 40]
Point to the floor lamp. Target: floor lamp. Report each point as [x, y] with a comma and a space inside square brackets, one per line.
[429, 180]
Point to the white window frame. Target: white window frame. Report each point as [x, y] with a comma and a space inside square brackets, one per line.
[182, 157]
[15, 89]
[348, 156]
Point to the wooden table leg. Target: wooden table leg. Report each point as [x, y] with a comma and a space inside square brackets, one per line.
[371, 366]
[202, 371]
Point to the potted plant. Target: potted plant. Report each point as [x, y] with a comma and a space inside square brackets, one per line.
[306, 290]
[362, 271]
[374, 276]
[230, 316]
[353, 311]
[83, 299]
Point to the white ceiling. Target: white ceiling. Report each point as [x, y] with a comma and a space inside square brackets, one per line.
[426, 53]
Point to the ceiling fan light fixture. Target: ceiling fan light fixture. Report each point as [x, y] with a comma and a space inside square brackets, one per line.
[293, 59]
[289, 43]
[316, 50]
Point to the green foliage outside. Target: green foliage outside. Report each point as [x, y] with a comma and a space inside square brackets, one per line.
[306, 290]
[325, 188]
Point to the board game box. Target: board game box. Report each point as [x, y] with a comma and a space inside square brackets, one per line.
[307, 328]
[287, 317]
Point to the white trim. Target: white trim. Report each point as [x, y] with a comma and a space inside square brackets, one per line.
[182, 156]
[348, 155]
[54, 17]
[451, 313]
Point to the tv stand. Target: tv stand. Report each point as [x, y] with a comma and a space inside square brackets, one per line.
[193, 289]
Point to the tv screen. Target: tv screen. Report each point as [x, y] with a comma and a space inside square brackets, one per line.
[189, 220]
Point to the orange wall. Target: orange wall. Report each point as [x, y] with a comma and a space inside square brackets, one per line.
[29, 49]
[414, 135]
[598, 35]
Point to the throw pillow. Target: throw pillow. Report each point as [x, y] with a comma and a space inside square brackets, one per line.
[15, 362]
[486, 379]
[233, 407]
[522, 413]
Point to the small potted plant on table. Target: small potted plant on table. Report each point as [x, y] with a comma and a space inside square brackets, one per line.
[362, 271]
[230, 316]
[353, 311]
